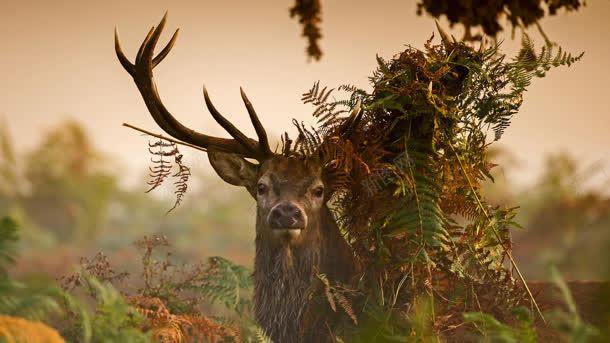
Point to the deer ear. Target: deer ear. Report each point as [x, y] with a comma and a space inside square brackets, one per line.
[233, 168]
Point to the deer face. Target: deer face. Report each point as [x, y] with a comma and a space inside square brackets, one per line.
[289, 192]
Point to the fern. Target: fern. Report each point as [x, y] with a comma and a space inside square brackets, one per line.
[173, 328]
[407, 190]
[34, 302]
[424, 217]
[226, 283]
[162, 167]
[496, 331]
[495, 88]
[170, 302]
[114, 320]
[260, 337]
[327, 111]
[337, 298]
[183, 174]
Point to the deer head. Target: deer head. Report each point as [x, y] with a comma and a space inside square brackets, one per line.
[290, 191]
[295, 232]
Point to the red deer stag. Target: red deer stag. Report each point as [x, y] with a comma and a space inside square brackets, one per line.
[296, 233]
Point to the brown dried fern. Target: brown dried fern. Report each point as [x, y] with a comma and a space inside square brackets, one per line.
[162, 167]
[166, 327]
[336, 297]
[181, 184]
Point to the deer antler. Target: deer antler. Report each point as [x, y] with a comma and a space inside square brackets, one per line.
[142, 73]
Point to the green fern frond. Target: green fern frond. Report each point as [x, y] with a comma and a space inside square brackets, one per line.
[29, 301]
[8, 241]
[226, 282]
[260, 336]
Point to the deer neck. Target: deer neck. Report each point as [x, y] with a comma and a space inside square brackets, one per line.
[301, 256]
[282, 276]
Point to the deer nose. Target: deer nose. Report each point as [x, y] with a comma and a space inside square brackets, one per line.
[286, 216]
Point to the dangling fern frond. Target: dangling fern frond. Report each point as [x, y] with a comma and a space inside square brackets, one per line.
[183, 174]
[161, 168]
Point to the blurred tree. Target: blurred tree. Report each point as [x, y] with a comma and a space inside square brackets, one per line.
[11, 184]
[65, 193]
[68, 189]
[567, 221]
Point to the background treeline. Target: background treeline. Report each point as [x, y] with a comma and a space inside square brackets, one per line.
[66, 196]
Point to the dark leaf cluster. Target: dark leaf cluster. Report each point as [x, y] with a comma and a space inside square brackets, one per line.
[488, 14]
[407, 180]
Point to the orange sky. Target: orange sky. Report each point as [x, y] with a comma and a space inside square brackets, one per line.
[57, 62]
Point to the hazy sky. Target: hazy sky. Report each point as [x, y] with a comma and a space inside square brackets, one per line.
[57, 62]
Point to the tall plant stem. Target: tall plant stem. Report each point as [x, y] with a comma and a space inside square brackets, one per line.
[497, 235]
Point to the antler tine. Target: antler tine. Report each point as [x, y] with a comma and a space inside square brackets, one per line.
[161, 55]
[263, 142]
[228, 126]
[142, 74]
[130, 68]
[150, 43]
[444, 36]
[353, 120]
[144, 44]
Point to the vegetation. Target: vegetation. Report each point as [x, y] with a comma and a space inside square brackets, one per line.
[35, 299]
[88, 308]
[408, 182]
[487, 15]
[410, 190]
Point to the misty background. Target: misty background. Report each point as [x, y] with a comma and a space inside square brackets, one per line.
[74, 178]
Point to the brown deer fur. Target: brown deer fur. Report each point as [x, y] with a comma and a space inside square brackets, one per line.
[296, 235]
[284, 266]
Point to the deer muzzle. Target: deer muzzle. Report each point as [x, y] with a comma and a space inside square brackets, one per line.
[287, 218]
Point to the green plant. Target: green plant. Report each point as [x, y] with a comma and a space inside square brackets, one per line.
[488, 14]
[407, 182]
[103, 314]
[496, 331]
[569, 322]
[18, 299]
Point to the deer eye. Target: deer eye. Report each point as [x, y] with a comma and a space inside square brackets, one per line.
[318, 192]
[261, 189]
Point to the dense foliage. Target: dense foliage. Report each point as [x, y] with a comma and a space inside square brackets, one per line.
[488, 14]
[407, 182]
[407, 194]
[309, 15]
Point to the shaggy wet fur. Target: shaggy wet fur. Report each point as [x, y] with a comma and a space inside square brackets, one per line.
[283, 272]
